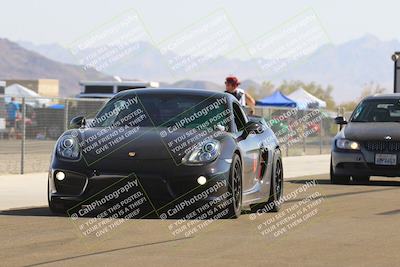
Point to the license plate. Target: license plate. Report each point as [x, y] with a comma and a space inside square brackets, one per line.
[385, 159]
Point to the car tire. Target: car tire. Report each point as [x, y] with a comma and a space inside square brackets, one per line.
[338, 179]
[274, 201]
[57, 208]
[361, 179]
[235, 188]
[276, 189]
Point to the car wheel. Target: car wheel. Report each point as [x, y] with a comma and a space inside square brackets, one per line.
[276, 191]
[338, 179]
[361, 179]
[235, 188]
[273, 204]
[57, 208]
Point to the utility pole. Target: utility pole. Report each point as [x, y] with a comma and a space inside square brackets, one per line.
[396, 81]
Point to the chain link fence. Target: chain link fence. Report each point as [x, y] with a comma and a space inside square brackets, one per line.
[27, 147]
[301, 132]
[30, 127]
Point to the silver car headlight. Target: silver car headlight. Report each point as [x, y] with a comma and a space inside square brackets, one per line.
[68, 147]
[205, 152]
[347, 144]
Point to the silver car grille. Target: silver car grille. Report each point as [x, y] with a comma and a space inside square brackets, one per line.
[392, 146]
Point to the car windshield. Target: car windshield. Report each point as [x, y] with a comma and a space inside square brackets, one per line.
[164, 110]
[377, 110]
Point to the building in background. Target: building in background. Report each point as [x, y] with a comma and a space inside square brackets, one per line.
[43, 87]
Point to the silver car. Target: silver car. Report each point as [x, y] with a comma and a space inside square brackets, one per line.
[369, 143]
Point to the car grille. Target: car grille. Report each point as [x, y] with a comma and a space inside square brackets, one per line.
[393, 146]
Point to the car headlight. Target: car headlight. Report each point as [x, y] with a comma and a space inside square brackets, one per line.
[347, 144]
[68, 147]
[205, 152]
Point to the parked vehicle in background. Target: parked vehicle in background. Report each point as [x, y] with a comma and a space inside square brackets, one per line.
[107, 89]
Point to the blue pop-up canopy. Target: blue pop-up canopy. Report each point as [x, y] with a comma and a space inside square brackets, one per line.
[277, 99]
[57, 106]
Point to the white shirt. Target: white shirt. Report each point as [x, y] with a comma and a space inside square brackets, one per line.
[240, 96]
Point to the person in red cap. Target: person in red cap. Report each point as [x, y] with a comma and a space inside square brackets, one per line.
[232, 87]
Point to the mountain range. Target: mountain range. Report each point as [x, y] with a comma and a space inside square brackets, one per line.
[19, 63]
[348, 67]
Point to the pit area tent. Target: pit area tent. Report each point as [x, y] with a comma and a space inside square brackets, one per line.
[277, 99]
[306, 100]
[32, 98]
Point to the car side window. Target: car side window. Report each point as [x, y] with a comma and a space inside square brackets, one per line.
[240, 118]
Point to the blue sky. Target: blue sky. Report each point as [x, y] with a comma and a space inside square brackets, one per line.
[49, 21]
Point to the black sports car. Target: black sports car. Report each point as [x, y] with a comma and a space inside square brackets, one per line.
[177, 149]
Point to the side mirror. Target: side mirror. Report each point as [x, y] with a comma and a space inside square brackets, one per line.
[77, 122]
[340, 121]
[252, 127]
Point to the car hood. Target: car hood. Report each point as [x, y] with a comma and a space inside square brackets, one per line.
[143, 143]
[363, 131]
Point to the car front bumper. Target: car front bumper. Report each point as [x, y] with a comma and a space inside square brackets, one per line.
[361, 163]
[162, 182]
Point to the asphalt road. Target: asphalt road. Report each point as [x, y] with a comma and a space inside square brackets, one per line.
[318, 225]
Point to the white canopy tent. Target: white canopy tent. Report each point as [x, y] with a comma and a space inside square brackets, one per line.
[32, 98]
[306, 100]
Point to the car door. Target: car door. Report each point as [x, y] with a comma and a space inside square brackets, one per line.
[250, 148]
